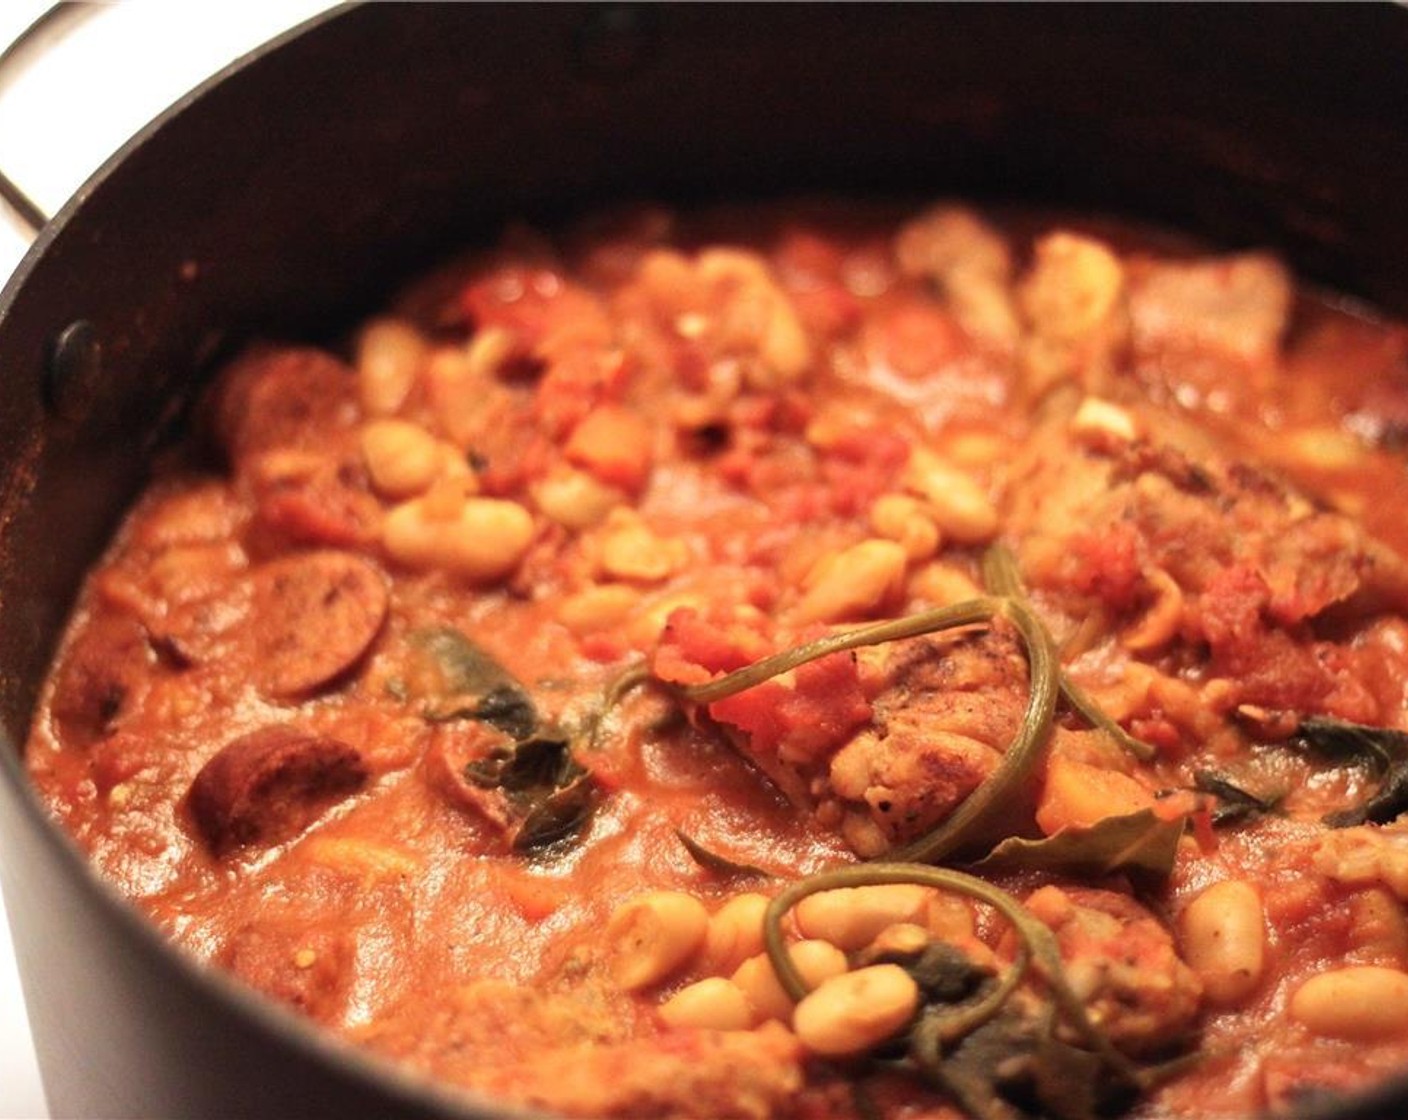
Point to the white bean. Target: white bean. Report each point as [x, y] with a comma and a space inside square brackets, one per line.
[402, 458]
[957, 503]
[1362, 1003]
[815, 960]
[390, 355]
[735, 932]
[653, 935]
[713, 1004]
[852, 583]
[899, 517]
[851, 1013]
[576, 499]
[482, 539]
[851, 918]
[1224, 940]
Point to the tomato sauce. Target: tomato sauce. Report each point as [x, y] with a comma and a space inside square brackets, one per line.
[428, 689]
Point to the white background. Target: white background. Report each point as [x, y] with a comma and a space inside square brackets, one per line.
[64, 108]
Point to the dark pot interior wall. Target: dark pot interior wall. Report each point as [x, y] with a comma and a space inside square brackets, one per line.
[284, 198]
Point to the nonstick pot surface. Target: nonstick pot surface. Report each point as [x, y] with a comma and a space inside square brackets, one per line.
[284, 196]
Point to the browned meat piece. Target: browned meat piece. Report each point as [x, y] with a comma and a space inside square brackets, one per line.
[498, 1037]
[307, 967]
[1122, 965]
[99, 673]
[970, 264]
[1238, 562]
[314, 615]
[280, 398]
[1235, 306]
[1074, 300]
[269, 785]
[941, 725]
[307, 498]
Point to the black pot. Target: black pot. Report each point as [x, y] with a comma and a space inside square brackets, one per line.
[286, 194]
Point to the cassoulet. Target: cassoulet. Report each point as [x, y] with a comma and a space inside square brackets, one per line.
[806, 661]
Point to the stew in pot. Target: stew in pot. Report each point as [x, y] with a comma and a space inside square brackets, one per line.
[798, 661]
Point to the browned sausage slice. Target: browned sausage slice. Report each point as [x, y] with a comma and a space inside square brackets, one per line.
[314, 615]
[271, 784]
[279, 397]
[97, 677]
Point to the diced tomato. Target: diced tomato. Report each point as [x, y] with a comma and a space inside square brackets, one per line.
[614, 444]
[693, 648]
[860, 465]
[1107, 564]
[804, 722]
[573, 386]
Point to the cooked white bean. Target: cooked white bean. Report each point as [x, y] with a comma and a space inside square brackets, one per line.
[899, 517]
[943, 584]
[653, 935]
[597, 608]
[1224, 940]
[713, 1004]
[488, 350]
[390, 356]
[853, 917]
[402, 458]
[481, 539]
[576, 499]
[1361, 1003]
[1100, 419]
[851, 1013]
[815, 960]
[852, 583]
[735, 933]
[631, 550]
[958, 504]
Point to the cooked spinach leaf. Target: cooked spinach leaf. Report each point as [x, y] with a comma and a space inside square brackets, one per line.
[1141, 842]
[1383, 748]
[560, 813]
[719, 865]
[1385, 805]
[1336, 738]
[1234, 804]
[459, 680]
[539, 791]
[548, 791]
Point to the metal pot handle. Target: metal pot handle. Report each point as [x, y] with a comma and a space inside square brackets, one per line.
[45, 26]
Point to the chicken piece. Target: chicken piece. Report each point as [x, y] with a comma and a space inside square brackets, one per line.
[1122, 966]
[970, 264]
[1074, 302]
[1236, 306]
[941, 725]
[1127, 527]
[1365, 855]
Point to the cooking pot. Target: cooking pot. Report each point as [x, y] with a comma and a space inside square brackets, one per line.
[286, 195]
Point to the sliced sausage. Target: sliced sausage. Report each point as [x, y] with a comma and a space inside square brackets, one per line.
[97, 678]
[280, 397]
[269, 785]
[314, 615]
[308, 966]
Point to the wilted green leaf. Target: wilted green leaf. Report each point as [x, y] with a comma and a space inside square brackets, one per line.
[1141, 841]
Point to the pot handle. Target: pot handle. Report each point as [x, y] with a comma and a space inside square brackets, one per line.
[24, 207]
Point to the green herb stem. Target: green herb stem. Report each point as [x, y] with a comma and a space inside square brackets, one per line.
[971, 613]
[1000, 577]
[1039, 948]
